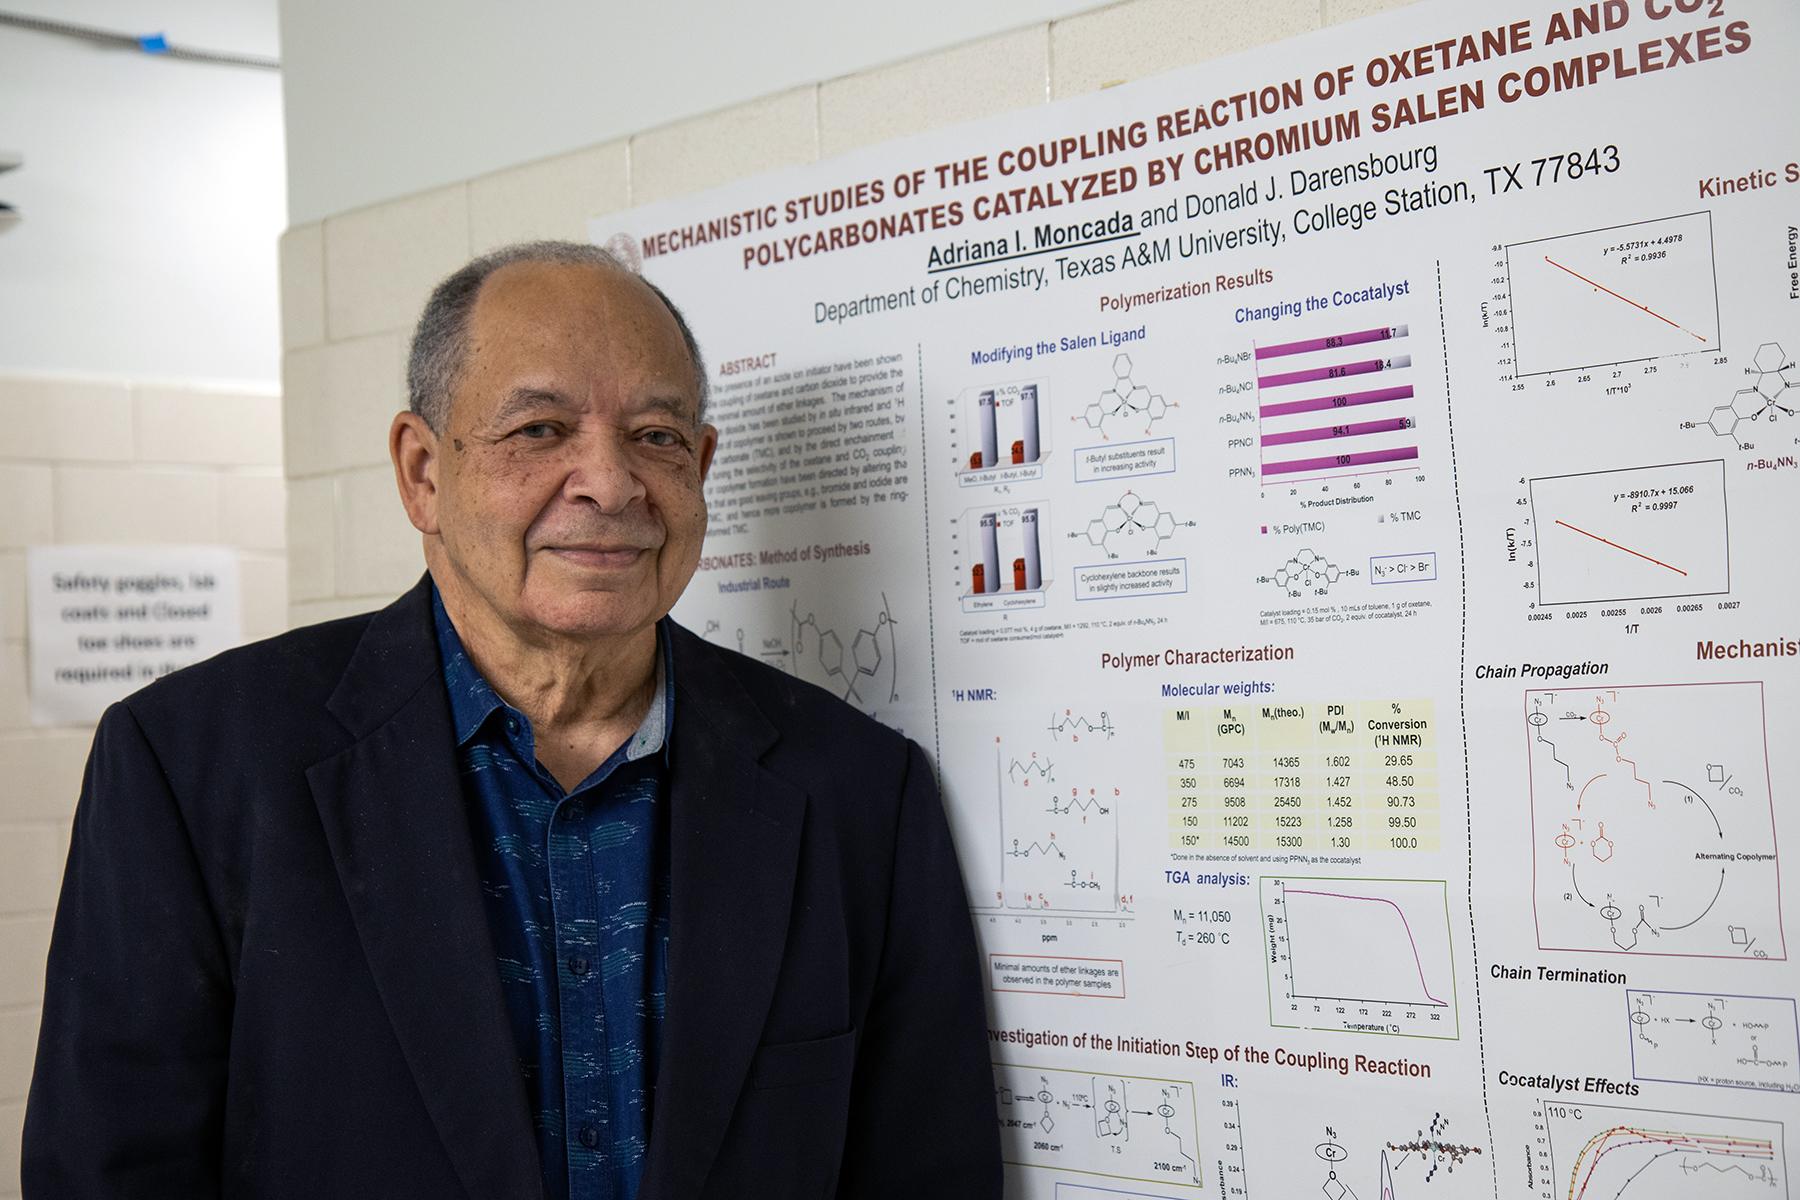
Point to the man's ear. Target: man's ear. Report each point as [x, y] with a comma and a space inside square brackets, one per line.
[413, 447]
[709, 442]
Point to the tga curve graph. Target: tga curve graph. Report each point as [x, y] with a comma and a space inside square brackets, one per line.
[1641, 533]
[1600, 1152]
[1653, 828]
[1360, 955]
[1619, 294]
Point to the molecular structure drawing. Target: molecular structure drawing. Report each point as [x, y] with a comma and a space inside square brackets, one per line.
[1122, 1126]
[1308, 570]
[1133, 522]
[1433, 1149]
[854, 665]
[1076, 726]
[1125, 400]
[1022, 772]
[1774, 374]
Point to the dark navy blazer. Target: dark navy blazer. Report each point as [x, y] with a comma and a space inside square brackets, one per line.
[271, 975]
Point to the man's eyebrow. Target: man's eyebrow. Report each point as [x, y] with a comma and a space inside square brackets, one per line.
[676, 406]
[525, 400]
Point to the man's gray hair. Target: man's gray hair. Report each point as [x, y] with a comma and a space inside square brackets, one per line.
[440, 345]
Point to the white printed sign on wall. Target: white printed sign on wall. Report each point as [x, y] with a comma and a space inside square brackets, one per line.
[106, 620]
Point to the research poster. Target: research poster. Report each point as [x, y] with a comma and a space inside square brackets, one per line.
[1329, 514]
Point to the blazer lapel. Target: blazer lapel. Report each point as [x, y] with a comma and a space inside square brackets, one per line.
[393, 814]
[734, 849]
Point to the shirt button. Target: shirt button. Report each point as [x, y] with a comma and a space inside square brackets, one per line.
[569, 812]
[588, 1136]
[512, 725]
[578, 965]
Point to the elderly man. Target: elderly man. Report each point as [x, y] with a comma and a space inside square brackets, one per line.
[515, 888]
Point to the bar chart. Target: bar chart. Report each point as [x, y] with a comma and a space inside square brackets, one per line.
[1008, 560]
[1005, 432]
[1307, 427]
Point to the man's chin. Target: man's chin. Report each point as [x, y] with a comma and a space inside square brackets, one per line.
[589, 614]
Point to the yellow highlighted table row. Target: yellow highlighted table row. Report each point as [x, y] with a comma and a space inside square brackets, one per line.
[1333, 760]
[1306, 781]
[1328, 821]
[1325, 842]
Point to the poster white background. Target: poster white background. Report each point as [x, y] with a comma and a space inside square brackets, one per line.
[1366, 741]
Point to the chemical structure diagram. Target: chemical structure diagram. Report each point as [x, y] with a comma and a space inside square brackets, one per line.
[1651, 840]
[849, 667]
[1119, 1126]
[1058, 823]
[1329, 1150]
[1132, 522]
[1641, 1016]
[1022, 772]
[1307, 572]
[1773, 373]
[1074, 802]
[1701, 1037]
[1126, 400]
[1074, 726]
[1433, 1150]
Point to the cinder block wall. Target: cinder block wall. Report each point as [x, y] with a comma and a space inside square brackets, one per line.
[104, 462]
[352, 285]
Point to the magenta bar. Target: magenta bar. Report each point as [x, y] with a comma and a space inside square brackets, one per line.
[1346, 400]
[1385, 425]
[1337, 372]
[1338, 461]
[1332, 343]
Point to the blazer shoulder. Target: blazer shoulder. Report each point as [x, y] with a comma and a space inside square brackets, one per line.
[266, 681]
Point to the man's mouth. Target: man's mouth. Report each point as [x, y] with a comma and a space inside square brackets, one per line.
[599, 556]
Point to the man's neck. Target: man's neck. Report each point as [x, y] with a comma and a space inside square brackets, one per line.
[584, 697]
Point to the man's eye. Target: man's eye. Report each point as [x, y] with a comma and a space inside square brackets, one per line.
[538, 430]
[661, 437]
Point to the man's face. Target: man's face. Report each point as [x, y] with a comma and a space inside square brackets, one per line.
[567, 476]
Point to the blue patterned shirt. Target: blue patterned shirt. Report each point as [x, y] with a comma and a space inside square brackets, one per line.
[576, 887]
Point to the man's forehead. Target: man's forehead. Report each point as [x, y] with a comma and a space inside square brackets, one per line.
[573, 291]
[534, 316]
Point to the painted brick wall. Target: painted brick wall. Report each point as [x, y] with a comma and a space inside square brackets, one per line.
[100, 461]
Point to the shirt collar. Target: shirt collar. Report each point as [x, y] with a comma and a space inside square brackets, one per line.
[473, 701]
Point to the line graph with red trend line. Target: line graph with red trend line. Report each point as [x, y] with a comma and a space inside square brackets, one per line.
[1619, 294]
[1626, 549]
[1603, 288]
[1635, 533]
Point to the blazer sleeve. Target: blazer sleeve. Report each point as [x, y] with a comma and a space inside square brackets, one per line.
[128, 1094]
[922, 1118]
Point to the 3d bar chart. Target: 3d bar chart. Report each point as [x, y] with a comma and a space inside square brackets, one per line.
[1008, 564]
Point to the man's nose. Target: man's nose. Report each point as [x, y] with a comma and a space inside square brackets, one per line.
[603, 471]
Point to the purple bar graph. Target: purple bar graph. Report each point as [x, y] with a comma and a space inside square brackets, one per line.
[1339, 371]
[1344, 400]
[1332, 343]
[1339, 461]
[1385, 425]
